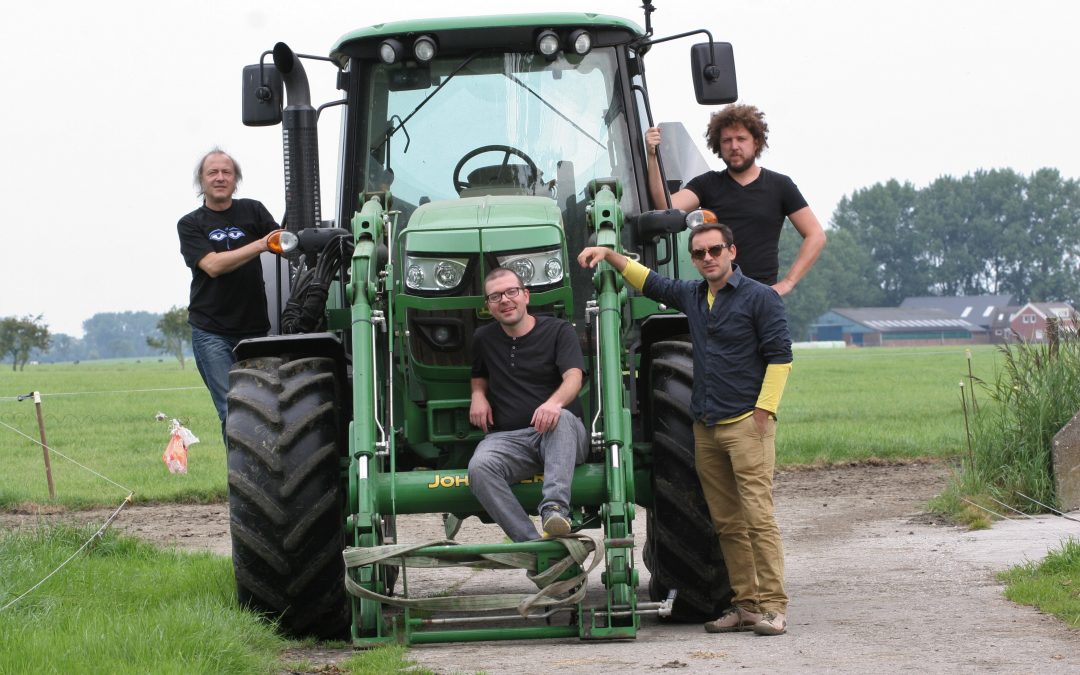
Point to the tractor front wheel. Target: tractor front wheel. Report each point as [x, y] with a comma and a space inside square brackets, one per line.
[285, 493]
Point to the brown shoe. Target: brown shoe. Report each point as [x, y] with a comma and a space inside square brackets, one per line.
[771, 624]
[733, 620]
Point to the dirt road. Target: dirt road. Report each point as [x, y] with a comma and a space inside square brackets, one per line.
[875, 584]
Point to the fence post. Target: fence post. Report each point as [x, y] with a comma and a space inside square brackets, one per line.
[44, 445]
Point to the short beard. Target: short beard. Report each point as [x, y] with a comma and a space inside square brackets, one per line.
[739, 168]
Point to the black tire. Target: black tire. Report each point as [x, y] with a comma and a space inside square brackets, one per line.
[286, 495]
[681, 548]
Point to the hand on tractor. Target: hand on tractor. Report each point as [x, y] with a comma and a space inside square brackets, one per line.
[592, 256]
[652, 140]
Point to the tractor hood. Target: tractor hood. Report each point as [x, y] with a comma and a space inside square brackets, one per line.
[487, 211]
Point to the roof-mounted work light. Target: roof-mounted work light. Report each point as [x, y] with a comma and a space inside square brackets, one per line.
[391, 51]
[424, 48]
[547, 43]
[580, 42]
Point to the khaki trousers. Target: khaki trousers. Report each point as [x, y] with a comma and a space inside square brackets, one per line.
[735, 465]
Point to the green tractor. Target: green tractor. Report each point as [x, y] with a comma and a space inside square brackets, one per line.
[466, 144]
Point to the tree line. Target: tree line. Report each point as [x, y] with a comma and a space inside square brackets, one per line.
[107, 335]
[988, 233]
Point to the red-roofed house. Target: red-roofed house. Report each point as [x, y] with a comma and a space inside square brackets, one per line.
[1029, 323]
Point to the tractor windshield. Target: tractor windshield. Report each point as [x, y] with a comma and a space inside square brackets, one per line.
[504, 123]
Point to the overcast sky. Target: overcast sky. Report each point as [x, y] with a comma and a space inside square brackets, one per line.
[107, 111]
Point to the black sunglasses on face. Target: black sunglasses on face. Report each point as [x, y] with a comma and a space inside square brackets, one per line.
[510, 293]
[714, 251]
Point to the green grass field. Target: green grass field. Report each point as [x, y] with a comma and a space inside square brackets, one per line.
[876, 403]
[102, 415]
[840, 405]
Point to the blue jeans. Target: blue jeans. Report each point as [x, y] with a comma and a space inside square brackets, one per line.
[214, 357]
[506, 457]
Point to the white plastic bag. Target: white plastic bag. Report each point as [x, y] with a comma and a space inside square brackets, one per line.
[176, 452]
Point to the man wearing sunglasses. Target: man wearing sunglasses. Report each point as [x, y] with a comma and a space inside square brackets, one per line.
[752, 200]
[526, 375]
[742, 357]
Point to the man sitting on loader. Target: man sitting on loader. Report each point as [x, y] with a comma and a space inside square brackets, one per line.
[526, 375]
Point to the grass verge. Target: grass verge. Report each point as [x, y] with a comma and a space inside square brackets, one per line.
[1051, 585]
[124, 606]
[1007, 452]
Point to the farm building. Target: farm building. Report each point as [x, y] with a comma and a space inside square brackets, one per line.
[1029, 322]
[1001, 326]
[895, 327]
[980, 310]
[992, 312]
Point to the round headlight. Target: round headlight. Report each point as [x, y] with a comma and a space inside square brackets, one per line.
[391, 51]
[553, 269]
[414, 278]
[441, 335]
[548, 44]
[524, 269]
[447, 275]
[581, 41]
[424, 48]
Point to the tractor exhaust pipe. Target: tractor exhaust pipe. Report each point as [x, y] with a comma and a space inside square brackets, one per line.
[301, 144]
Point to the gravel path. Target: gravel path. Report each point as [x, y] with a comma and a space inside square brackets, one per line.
[875, 584]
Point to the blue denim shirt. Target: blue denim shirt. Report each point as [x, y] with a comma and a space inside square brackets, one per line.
[744, 331]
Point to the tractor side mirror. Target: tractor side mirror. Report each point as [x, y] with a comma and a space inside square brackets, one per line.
[714, 74]
[263, 94]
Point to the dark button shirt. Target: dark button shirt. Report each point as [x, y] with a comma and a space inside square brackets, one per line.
[744, 331]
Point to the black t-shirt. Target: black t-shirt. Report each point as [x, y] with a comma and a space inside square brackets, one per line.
[755, 213]
[524, 372]
[233, 303]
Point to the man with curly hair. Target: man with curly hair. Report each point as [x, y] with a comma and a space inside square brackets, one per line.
[752, 200]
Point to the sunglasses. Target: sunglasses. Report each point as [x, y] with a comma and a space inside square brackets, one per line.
[714, 251]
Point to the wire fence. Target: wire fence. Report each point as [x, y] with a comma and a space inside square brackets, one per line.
[53, 451]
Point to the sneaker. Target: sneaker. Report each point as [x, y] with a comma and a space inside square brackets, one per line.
[771, 624]
[733, 620]
[555, 520]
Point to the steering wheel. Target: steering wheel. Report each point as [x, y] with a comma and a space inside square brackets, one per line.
[534, 171]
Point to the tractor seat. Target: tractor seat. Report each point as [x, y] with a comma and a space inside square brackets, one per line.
[499, 179]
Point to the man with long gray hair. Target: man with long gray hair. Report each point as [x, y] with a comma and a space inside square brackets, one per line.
[221, 242]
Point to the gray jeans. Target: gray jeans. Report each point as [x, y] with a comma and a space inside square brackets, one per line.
[507, 457]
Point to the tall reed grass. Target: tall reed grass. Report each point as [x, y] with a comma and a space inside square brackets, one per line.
[1011, 425]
